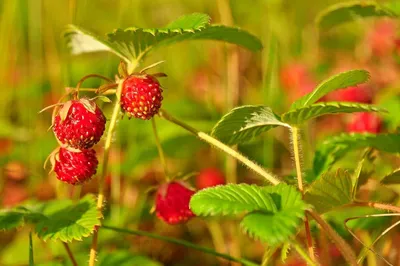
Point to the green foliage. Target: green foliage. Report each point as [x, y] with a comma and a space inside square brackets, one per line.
[276, 228]
[392, 179]
[244, 123]
[330, 191]
[350, 11]
[134, 43]
[339, 81]
[334, 148]
[301, 115]
[231, 199]
[58, 219]
[10, 220]
[279, 207]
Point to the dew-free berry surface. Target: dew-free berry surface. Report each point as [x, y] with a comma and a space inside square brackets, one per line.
[365, 123]
[172, 202]
[141, 96]
[82, 126]
[75, 167]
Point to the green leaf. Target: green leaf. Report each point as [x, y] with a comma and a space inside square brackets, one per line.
[350, 11]
[231, 199]
[191, 21]
[67, 221]
[392, 179]
[244, 123]
[124, 258]
[339, 81]
[301, 115]
[134, 43]
[334, 148]
[10, 219]
[330, 191]
[276, 228]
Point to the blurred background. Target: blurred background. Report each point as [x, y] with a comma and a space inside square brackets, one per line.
[205, 80]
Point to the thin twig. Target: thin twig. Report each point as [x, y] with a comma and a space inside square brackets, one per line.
[70, 254]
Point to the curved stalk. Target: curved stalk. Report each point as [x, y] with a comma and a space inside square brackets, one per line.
[297, 160]
[376, 205]
[100, 198]
[78, 86]
[219, 145]
[159, 148]
[180, 242]
[344, 248]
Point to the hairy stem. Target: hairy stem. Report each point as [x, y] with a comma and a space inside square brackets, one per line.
[376, 205]
[70, 254]
[219, 145]
[180, 242]
[303, 254]
[107, 146]
[159, 148]
[297, 160]
[344, 248]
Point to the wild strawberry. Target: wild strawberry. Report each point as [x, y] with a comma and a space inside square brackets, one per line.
[365, 122]
[360, 94]
[209, 177]
[172, 202]
[79, 124]
[141, 96]
[75, 167]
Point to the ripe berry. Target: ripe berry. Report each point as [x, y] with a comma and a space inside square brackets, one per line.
[172, 202]
[297, 80]
[141, 96]
[210, 177]
[79, 124]
[75, 167]
[365, 122]
[360, 94]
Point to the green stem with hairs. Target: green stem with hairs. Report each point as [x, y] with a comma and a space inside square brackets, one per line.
[297, 160]
[180, 242]
[159, 148]
[31, 260]
[218, 144]
[303, 254]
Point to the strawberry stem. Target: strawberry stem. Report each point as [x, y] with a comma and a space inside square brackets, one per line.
[160, 149]
[70, 254]
[297, 160]
[180, 242]
[78, 86]
[218, 144]
[107, 146]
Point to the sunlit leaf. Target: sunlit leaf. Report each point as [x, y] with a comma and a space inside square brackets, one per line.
[244, 123]
[231, 199]
[350, 11]
[276, 228]
[134, 43]
[339, 81]
[300, 115]
[67, 221]
[330, 191]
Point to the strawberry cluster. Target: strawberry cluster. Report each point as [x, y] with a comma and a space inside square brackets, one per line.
[78, 125]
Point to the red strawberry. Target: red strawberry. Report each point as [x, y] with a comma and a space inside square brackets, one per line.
[141, 96]
[75, 167]
[79, 124]
[210, 177]
[360, 94]
[172, 202]
[365, 122]
[382, 38]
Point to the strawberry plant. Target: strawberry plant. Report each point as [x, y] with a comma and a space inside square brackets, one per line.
[299, 207]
